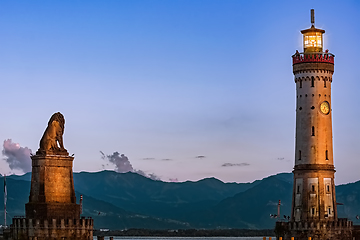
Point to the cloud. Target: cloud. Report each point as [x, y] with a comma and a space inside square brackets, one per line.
[235, 164]
[200, 156]
[282, 159]
[123, 165]
[152, 176]
[150, 158]
[16, 156]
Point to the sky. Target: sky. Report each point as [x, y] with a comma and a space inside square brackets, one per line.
[184, 89]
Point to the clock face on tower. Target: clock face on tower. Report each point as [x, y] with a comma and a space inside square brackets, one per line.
[325, 107]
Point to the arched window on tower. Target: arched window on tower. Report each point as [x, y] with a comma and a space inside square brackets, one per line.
[325, 83]
[300, 83]
[326, 155]
[312, 81]
[299, 155]
[312, 131]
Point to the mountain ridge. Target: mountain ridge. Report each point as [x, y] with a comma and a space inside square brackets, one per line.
[129, 200]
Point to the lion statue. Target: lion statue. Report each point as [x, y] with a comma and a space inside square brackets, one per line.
[52, 140]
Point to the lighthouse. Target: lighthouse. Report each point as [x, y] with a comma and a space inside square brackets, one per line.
[314, 188]
[314, 212]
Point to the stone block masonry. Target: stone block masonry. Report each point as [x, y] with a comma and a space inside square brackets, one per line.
[71, 229]
[52, 193]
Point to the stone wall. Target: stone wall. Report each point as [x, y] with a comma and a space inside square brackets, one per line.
[79, 229]
[317, 230]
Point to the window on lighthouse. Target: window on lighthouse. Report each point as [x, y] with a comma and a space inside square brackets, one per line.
[326, 155]
[312, 131]
[312, 211]
[312, 81]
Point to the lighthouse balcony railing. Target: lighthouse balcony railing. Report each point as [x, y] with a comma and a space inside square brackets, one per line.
[325, 57]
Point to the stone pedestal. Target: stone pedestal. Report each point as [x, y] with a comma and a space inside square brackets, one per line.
[52, 193]
[52, 212]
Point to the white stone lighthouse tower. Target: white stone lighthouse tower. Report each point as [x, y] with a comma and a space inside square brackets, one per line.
[314, 212]
[314, 188]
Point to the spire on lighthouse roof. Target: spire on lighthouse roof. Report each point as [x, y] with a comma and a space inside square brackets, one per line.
[312, 18]
[312, 28]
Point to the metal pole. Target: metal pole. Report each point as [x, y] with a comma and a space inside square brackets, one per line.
[5, 198]
[279, 208]
[81, 200]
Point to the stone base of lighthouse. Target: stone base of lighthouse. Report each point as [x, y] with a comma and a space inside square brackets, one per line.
[342, 229]
[52, 212]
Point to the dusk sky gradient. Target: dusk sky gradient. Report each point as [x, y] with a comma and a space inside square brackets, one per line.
[165, 82]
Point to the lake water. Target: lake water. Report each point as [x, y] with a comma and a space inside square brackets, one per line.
[189, 238]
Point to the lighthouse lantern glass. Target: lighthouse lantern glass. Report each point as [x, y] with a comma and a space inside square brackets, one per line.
[313, 42]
